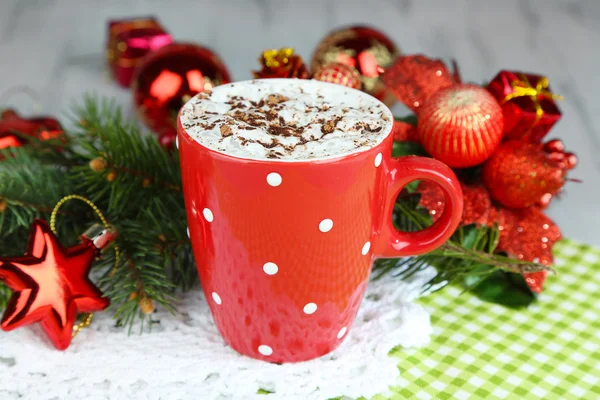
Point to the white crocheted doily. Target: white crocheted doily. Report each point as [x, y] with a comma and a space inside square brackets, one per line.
[185, 358]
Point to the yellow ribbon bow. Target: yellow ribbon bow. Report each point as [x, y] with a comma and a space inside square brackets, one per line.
[275, 58]
[522, 88]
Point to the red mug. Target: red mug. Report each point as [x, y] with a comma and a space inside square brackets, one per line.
[284, 249]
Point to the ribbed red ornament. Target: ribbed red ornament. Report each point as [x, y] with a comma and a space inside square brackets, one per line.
[461, 125]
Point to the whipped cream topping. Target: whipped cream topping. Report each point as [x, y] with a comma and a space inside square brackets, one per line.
[286, 119]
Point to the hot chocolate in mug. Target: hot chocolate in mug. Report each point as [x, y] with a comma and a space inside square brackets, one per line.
[289, 188]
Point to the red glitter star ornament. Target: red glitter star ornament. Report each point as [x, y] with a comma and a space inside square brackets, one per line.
[50, 285]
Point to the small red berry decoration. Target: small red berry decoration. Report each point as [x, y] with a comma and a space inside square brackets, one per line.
[341, 74]
[167, 139]
[523, 174]
[461, 125]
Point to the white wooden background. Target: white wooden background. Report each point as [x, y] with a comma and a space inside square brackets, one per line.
[56, 48]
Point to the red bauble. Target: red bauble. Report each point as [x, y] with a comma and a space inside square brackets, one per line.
[171, 76]
[461, 125]
[522, 174]
[341, 74]
[349, 46]
[415, 78]
[282, 63]
[50, 285]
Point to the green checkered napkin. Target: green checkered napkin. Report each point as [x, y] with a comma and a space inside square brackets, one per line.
[481, 350]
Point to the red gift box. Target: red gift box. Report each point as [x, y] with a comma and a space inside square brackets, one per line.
[129, 40]
[528, 105]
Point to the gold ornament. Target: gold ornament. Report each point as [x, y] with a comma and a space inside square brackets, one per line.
[98, 164]
[366, 49]
[146, 305]
[111, 176]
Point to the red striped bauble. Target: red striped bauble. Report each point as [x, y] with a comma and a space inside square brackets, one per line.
[341, 74]
[461, 125]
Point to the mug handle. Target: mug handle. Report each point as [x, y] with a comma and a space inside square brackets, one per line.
[390, 242]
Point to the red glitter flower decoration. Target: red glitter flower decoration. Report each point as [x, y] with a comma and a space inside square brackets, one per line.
[525, 234]
[413, 79]
[405, 132]
[477, 202]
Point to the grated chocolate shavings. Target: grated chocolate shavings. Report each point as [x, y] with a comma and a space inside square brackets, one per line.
[329, 126]
[226, 130]
[276, 98]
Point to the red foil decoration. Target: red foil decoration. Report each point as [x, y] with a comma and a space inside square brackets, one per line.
[358, 47]
[528, 105]
[171, 76]
[415, 78]
[129, 41]
[41, 128]
[50, 285]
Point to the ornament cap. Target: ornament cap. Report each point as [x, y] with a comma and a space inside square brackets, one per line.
[99, 236]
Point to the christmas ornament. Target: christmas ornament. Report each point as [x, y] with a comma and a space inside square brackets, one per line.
[415, 78]
[41, 128]
[526, 234]
[129, 41]
[529, 235]
[171, 76]
[50, 283]
[349, 46]
[405, 132]
[167, 138]
[341, 74]
[476, 202]
[528, 105]
[282, 63]
[461, 125]
[521, 174]
[556, 150]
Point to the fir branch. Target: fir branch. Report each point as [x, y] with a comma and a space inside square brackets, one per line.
[4, 295]
[131, 158]
[140, 276]
[132, 179]
[451, 249]
[29, 190]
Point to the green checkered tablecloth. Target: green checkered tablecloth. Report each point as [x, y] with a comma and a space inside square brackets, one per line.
[481, 350]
